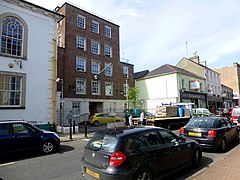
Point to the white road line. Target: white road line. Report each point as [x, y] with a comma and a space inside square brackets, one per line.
[7, 164]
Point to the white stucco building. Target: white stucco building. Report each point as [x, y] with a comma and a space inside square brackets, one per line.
[27, 62]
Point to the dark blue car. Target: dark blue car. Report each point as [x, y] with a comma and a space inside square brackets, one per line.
[20, 135]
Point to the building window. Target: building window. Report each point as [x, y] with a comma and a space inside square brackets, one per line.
[125, 72]
[81, 43]
[107, 50]
[13, 36]
[81, 21]
[108, 32]
[76, 107]
[11, 90]
[108, 69]
[125, 89]
[80, 86]
[183, 88]
[108, 88]
[95, 27]
[95, 47]
[80, 64]
[95, 87]
[95, 67]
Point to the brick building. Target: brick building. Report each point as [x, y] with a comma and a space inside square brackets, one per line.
[89, 67]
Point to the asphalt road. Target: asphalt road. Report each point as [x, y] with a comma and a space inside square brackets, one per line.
[65, 165]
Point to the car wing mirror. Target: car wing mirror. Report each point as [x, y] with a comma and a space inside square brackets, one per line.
[175, 142]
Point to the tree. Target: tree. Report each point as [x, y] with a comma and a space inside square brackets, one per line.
[132, 97]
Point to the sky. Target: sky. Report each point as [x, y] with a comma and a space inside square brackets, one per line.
[158, 32]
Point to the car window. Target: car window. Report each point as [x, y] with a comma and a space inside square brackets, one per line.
[201, 122]
[148, 139]
[21, 128]
[168, 136]
[4, 129]
[102, 141]
[236, 111]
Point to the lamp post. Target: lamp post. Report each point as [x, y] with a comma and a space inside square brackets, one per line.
[59, 80]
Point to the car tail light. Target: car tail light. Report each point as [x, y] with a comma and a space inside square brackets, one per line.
[212, 133]
[116, 159]
[181, 131]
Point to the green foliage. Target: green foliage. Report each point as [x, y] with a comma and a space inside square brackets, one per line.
[133, 100]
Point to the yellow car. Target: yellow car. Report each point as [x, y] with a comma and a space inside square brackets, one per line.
[103, 118]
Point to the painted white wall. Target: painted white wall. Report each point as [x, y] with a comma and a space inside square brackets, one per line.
[157, 90]
[37, 67]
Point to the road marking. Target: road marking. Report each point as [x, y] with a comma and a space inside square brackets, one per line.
[7, 164]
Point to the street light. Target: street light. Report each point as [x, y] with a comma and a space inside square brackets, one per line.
[96, 75]
[59, 80]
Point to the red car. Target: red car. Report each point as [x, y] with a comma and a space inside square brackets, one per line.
[235, 115]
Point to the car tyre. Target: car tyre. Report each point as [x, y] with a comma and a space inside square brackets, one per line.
[223, 145]
[48, 147]
[96, 123]
[143, 174]
[196, 159]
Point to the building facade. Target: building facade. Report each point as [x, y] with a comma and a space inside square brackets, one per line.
[227, 96]
[27, 62]
[93, 78]
[230, 76]
[213, 79]
[168, 85]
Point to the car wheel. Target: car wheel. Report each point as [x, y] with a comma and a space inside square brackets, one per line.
[196, 159]
[143, 174]
[118, 120]
[96, 123]
[48, 147]
[223, 145]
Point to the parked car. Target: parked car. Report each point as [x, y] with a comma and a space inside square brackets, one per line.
[137, 152]
[211, 131]
[202, 111]
[235, 115]
[21, 135]
[103, 118]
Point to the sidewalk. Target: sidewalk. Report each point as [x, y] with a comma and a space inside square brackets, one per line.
[226, 168]
[77, 136]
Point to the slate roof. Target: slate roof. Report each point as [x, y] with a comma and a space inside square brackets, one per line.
[140, 74]
[169, 69]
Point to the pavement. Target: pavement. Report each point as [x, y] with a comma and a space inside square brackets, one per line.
[227, 167]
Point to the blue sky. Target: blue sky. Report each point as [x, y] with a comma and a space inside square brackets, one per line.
[155, 32]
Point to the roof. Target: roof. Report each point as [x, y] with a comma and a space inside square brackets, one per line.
[140, 74]
[169, 69]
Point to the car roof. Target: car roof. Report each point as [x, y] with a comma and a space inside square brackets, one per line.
[208, 117]
[128, 130]
[12, 121]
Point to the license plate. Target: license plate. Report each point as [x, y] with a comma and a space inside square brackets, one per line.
[92, 173]
[197, 134]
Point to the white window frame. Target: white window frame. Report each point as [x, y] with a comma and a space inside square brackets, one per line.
[95, 67]
[80, 64]
[108, 88]
[107, 50]
[108, 69]
[12, 89]
[81, 43]
[95, 87]
[81, 21]
[125, 72]
[95, 47]
[95, 26]
[76, 107]
[108, 31]
[80, 86]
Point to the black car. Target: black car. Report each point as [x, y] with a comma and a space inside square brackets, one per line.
[137, 152]
[211, 132]
[21, 135]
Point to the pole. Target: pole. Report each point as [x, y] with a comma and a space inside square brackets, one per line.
[62, 107]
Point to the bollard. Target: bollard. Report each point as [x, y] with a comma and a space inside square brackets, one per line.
[74, 127]
[85, 129]
[70, 130]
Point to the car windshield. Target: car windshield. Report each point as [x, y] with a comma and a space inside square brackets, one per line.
[102, 141]
[201, 122]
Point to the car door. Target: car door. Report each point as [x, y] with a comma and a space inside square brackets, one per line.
[24, 137]
[180, 152]
[157, 155]
[6, 139]
[232, 130]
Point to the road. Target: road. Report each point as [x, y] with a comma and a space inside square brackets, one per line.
[65, 165]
